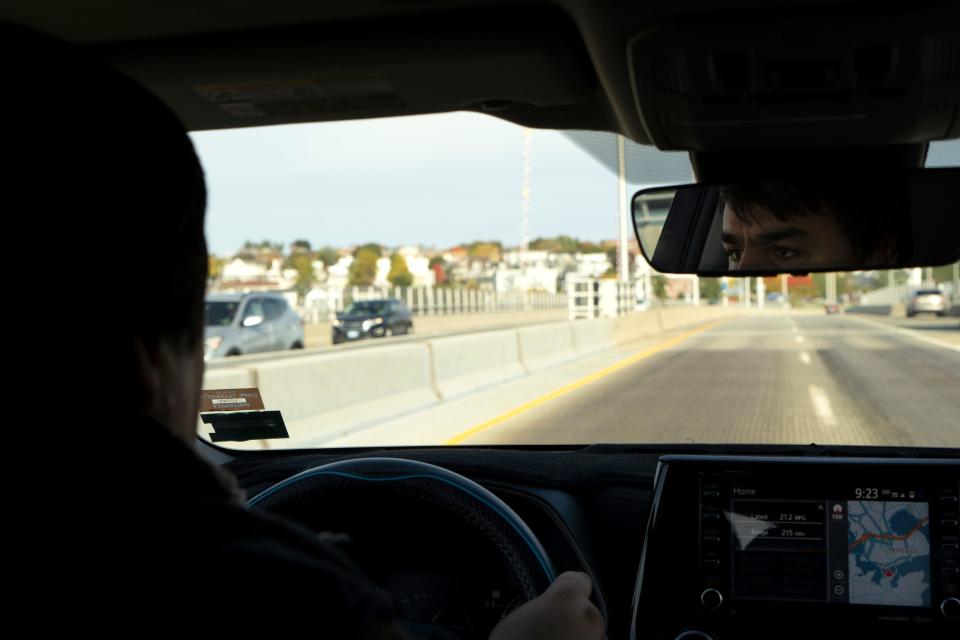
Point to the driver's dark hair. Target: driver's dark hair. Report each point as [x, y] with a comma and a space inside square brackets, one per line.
[125, 194]
[870, 212]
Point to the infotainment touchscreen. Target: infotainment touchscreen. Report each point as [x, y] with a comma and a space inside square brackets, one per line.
[870, 547]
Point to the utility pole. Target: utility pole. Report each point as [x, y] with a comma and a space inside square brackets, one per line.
[623, 255]
[525, 193]
[831, 283]
[956, 282]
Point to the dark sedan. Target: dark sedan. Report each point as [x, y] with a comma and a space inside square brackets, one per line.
[372, 319]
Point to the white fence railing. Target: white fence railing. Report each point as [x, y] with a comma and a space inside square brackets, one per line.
[603, 298]
[423, 301]
[609, 298]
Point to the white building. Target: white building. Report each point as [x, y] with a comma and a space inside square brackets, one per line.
[244, 275]
[241, 270]
[592, 265]
[526, 279]
[417, 264]
[518, 258]
[339, 274]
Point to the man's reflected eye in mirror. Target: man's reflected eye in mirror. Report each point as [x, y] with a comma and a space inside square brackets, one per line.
[781, 226]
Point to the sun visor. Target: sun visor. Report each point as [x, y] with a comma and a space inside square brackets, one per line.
[855, 79]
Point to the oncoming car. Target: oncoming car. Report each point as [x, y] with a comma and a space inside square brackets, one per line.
[244, 323]
[371, 319]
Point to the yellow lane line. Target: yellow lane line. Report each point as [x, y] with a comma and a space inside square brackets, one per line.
[582, 382]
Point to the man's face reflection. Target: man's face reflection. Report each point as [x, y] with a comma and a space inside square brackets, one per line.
[801, 242]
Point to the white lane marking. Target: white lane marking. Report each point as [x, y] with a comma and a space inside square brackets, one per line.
[821, 406]
[804, 357]
[799, 339]
[910, 332]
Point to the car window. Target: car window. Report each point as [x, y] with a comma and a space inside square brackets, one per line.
[254, 308]
[367, 307]
[273, 309]
[219, 314]
[533, 317]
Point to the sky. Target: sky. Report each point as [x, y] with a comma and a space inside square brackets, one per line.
[433, 180]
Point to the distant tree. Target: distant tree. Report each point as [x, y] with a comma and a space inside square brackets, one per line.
[214, 267]
[564, 244]
[328, 256]
[943, 274]
[363, 270]
[589, 247]
[399, 275]
[612, 257]
[710, 288]
[543, 244]
[485, 251]
[659, 285]
[303, 263]
[372, 247]
[300, 246]
[819, 284]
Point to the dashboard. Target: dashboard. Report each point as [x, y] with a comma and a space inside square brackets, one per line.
[755, 547]
[687, 542]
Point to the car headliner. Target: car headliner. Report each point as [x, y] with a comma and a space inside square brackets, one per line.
[557, 64]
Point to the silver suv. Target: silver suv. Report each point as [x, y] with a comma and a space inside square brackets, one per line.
[927, 301]
[242, 323]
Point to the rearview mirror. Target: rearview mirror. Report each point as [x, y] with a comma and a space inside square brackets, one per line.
[907, 219]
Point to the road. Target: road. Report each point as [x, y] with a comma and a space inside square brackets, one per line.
[778, 377]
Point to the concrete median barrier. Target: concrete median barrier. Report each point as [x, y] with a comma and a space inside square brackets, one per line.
[230, 378]
[325, 395]
[637, 325]
[590, 336]
[545, 345]
[462, 364]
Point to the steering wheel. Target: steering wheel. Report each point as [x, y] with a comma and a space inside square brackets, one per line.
[439, 490]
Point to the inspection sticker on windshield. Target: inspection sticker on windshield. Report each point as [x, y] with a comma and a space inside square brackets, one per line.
[231, 400]
[237, 415]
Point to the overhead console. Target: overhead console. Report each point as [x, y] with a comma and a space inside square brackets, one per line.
[769, 80]
[763, 547]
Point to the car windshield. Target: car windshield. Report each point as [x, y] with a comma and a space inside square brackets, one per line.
[219, 313]
[534, 319]
[366, 308]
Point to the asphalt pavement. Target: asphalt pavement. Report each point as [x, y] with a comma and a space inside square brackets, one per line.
[775, 377]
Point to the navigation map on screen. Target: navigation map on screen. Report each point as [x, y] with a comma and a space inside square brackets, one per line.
[889, 553]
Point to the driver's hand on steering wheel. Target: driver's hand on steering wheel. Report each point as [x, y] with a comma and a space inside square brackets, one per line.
[562, 612]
